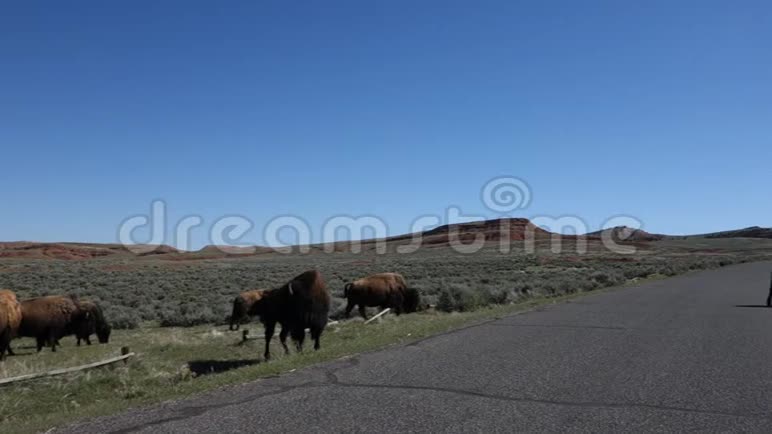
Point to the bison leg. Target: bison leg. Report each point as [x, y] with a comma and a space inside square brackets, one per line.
[316, 333]
[269, 328]
[283, 338]
[363, 311]
[50, 339]
[78, 343]
[10, 350]
[299, 335]
[397, 302]
[88, 340]
[235, 323]
[349, 308]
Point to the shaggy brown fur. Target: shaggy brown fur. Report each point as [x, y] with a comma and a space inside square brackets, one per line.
[93, 322]
[10, 318]
[49, 318]
[242, 304]
[302, 303]
[385, 290]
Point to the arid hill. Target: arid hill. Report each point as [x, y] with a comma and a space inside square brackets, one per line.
[70, 251]
[491, 231]
[624, 233]
[749, 232]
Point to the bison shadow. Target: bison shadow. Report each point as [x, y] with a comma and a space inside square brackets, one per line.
[206, 367]
[752, 305]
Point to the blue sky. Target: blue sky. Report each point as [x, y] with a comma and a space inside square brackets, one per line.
[398, 109]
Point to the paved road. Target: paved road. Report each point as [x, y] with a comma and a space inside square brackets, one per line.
[682, 354]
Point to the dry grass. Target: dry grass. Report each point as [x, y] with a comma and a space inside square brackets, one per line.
[178, 362]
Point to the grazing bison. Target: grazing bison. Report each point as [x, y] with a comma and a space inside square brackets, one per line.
[47, 319]
[91, 321]
[10, 318]
[303, 302]
[242, 305]
[385, 290]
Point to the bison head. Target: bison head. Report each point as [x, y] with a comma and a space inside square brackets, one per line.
[412, 300]
[103, 333]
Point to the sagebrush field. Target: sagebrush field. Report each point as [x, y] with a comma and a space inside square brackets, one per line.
[187, 293]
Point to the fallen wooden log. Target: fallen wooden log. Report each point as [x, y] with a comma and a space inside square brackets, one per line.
[125, 355]
[380, 314]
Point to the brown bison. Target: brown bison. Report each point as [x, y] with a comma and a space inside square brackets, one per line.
[385, 290]
[91, 321]
[303, 302]
[10, 318]
[242, 305]
[49, 318]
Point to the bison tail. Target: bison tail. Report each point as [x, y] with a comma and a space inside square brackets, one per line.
[346, 288]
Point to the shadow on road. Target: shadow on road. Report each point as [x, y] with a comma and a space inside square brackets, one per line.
[752, 305]
[206, 367]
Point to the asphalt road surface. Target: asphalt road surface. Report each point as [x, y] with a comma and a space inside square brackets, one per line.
[692, 353]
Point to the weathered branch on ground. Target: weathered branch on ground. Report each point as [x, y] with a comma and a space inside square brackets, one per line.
[125, 355]
[380, 314]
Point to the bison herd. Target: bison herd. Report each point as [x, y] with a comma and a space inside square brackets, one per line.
[304, 303]
[48, 319]
[301, 304]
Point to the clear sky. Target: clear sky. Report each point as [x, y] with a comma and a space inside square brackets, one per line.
[661, 110]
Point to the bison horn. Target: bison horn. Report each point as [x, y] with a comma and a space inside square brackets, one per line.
[290, 288]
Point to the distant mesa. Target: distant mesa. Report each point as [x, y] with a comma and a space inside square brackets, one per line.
[64, 251]
[629, 234]
[512, 229]
[161, 249]
[749, 232]
[624, 233]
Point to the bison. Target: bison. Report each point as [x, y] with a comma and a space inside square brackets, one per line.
[91, 321]
[242, 305]
[10, 318]
[49, 318]
[303, 302]
[385, 290]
